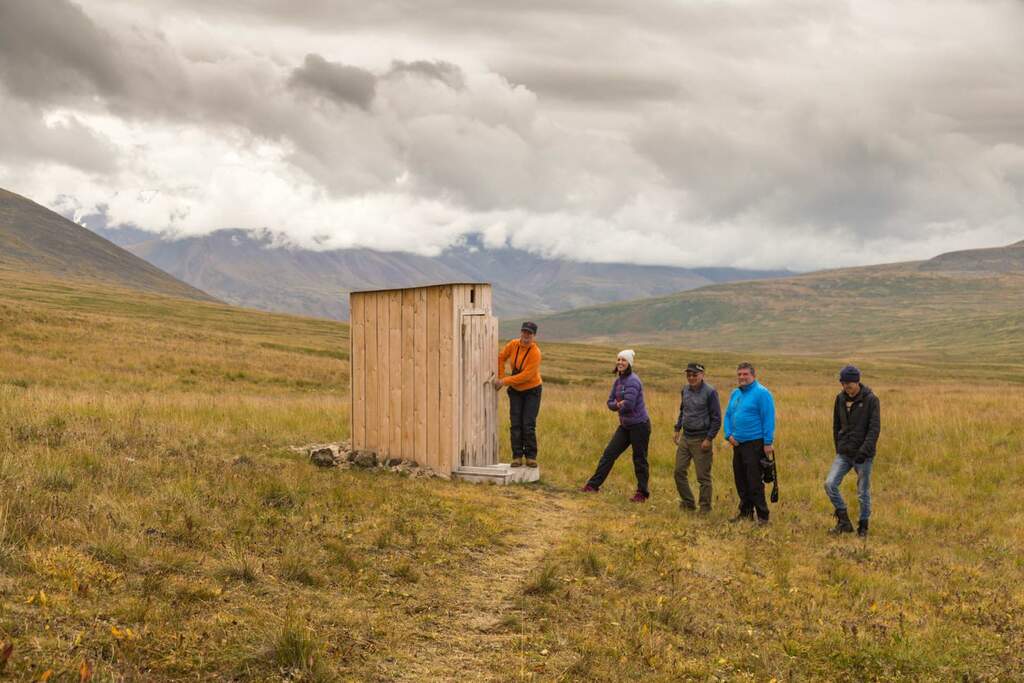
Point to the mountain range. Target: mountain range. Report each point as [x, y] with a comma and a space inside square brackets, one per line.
[254, 269]
[958, 304]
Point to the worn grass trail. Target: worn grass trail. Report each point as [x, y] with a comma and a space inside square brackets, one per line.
[478, 633]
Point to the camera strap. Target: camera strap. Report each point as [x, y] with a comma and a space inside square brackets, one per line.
[517, 365]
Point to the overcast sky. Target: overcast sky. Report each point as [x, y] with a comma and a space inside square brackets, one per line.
[798, 134]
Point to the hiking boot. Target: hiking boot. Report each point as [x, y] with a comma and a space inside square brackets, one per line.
[639, 497]
[517, 462]
[531, 462]
[704, 511]
[862, 528]
[742, 517]
[588, 489]
[763, 521]
[843, 524]
[687, 508]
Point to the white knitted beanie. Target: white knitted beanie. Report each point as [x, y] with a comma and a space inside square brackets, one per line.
[628, 355]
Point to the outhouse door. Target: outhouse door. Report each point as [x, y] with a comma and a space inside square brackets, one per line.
[479, 404]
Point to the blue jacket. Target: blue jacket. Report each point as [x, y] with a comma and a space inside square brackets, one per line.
[629, 390]
[751, 414]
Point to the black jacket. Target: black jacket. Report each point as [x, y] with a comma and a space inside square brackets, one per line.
[857, 439]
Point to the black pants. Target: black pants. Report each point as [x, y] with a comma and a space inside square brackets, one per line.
[637, 436]
[523, 407]
[746, 468]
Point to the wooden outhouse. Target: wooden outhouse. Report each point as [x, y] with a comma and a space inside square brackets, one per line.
[422, 362]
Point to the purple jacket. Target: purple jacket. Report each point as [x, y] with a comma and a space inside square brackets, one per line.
[629, 390]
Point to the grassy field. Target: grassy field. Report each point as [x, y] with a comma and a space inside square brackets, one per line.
[156, 525]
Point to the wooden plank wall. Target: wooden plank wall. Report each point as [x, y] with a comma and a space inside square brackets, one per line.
[407, 386]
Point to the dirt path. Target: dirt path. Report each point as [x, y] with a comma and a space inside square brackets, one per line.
[472, 640]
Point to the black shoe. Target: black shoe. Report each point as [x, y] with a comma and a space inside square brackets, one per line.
[742, 517]
[862, 528]
[843, 524]
[687, 507]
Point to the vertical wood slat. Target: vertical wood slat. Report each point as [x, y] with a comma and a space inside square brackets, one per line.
[462, 296]
[449, 422]
[420, 373]
[370, 333]
[357, 366]
[478, 398]
[433, 398]
[490, 353]
[477, 383]
[408, 385]
[465, 446]
[383, 376]
[395, 372]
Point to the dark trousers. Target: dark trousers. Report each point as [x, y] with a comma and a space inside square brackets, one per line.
[637, 436]
[523, 407]
[746, 468]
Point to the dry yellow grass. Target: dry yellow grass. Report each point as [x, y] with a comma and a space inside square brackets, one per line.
[155, 524]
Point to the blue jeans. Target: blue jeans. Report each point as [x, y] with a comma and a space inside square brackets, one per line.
[841, 466]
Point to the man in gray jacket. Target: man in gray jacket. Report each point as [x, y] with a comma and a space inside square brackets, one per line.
[700, 417]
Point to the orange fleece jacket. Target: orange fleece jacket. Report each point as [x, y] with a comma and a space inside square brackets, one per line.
[525, 366]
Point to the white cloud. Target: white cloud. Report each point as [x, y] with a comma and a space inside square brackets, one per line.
[791, 134]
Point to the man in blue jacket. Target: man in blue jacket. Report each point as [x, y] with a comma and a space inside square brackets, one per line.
[750, 427]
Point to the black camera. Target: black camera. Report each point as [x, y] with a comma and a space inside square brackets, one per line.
[770, 476]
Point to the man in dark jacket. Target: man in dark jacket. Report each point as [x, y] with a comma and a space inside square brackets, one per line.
[856, 424]
[700, 418]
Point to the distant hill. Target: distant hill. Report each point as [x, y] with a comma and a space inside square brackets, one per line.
[961, 303]
[995, 260]
[35, 240]
[251, 268]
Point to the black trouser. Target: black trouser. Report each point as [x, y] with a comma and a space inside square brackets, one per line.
[523, 407]
[746, 468]
[637, 436]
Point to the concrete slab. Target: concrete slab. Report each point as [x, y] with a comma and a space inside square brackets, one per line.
[501, 474]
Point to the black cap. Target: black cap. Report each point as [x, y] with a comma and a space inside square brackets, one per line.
[849, 374]
[695, 367]
[529, 327]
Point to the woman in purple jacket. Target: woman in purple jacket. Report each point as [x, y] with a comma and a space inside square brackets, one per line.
[626, 399]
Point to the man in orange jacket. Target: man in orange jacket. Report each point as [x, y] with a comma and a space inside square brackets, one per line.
[524, 389]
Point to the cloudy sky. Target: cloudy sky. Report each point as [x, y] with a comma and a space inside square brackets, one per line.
[790, 133]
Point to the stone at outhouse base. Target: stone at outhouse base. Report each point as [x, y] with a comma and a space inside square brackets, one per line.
[500, 474]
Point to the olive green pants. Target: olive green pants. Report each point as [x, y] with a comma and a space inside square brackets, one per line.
[689, 449]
